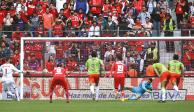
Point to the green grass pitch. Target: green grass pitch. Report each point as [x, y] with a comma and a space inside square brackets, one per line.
[93, 106]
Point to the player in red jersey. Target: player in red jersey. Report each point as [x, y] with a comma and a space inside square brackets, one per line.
[59, 75]
[119, 71]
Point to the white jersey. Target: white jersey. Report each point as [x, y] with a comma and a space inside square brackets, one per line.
[8, 70]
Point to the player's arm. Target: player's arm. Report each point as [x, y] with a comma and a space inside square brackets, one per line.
[15, 69]
[182, 71]
[156, 71]
[102, 67]
[112, 70]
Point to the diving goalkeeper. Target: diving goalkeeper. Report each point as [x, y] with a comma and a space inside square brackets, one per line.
[144, 86]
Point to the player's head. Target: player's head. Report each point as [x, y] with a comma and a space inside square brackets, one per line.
[7, 59]
[94, 54]
[175, 57]
[119, 57]
[59, 65]
[150, 80]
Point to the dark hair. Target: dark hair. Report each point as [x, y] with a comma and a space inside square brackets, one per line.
[59, 65]
[119, 57]
[150, 79]
[176, 57]
[94, 54]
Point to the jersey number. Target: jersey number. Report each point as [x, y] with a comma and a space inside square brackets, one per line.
[120, 69]
[59, 71]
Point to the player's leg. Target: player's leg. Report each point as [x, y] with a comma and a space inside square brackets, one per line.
[12, 84]
[96, 79]
[65, 86]
[122, 85]
[164, 79]
[116, 85]
[92, 85]
[174, 79]
[51, 89]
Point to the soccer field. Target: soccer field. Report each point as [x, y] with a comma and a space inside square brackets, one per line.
[93, 106]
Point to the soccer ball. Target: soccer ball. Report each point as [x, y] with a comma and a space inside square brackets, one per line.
[45, 71]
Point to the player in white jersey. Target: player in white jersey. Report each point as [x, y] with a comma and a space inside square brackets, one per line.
[7, 79]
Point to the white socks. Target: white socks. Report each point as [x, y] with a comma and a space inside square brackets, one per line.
[176, 91]
[163, 91]
[17, 94]
[92, 89]
[97, 92]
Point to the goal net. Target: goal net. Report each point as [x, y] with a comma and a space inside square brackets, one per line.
[139, 53]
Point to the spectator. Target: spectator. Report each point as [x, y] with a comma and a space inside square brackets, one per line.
[106, 9]
[179, 11]
[48, 21]
[148, 26]
[156, 20]
[53, 11]
[110, 51]
[151, 4]
[168, 28]
[192, 8]
[60, 3]
[58, 28]
[66, 10]
[142, 15]
[30, 8]
[75, 21]
[34, 23]
[8, 22]
[19, 23]
[191, 21]
[96, 7]
[152, 54]
[185, 25]
[2, 16]
[62, 16]
[94, 30]
[81, 4]
[18, 6]
[49, 65]
[138, 5]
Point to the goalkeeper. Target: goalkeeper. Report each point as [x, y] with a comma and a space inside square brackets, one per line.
[144, 86]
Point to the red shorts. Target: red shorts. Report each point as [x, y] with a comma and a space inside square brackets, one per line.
[94, 78]
[175, 77]
[119, 81]
[165, 76]
[59, 81]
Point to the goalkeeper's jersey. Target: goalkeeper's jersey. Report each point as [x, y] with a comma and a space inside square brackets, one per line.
[8, 70]
[93, 65]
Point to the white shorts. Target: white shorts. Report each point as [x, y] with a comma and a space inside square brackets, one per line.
[8, 84]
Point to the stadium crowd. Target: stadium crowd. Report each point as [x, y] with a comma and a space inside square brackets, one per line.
[92, 18]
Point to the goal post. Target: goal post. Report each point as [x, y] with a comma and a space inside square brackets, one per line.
[85, 40]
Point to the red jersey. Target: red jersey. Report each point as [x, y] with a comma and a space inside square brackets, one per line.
[2, 15]
[24, 17]
[50, 66]
[44, 5]
[66, 12]
[54, 13]
[58, 30]
[119, 69]
[59, 72]
[30, 8]
[75, 21]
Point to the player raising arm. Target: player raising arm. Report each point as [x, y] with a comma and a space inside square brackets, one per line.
[59, 75]
[93, 66]
[119, 71]
[176, 69]
[144, 86]
[164, 75]
[7, 79]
